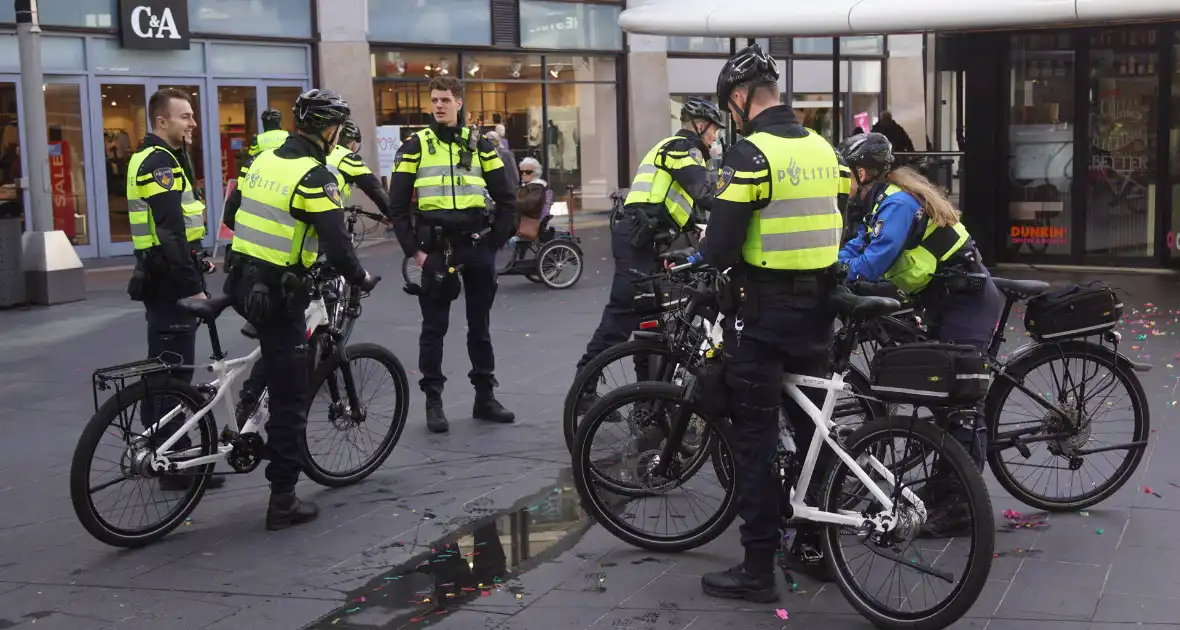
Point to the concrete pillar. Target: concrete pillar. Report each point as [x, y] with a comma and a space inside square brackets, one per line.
[53, 271]
[647, 90]
[345, 66]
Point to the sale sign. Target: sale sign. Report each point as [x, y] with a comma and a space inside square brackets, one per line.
[61, 186]
[389, 140]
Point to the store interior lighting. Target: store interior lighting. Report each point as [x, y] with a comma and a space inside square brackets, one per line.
[400, 65]
[516, 69]
[473, 68]
[442, 68]
[553, 72]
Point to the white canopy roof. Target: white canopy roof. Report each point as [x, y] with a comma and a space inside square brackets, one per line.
[764, 18]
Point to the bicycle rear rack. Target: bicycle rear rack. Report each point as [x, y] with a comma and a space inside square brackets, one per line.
[116, 376]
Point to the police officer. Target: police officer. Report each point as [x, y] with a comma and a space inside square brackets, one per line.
[668, 196]
[350, 168]
[273, 135]
[452, 171]
[287, 206]
[777, 224]
[167, 226]
[911, 233]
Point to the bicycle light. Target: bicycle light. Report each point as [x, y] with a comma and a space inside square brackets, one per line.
[649, 324]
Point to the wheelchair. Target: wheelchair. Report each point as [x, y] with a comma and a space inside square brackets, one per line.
[554, 259]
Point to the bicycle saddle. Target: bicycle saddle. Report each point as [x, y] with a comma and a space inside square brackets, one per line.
[206, 310]
[863, 307]
[1017, 289]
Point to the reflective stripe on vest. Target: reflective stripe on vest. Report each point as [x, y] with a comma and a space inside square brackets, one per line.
[263, 227]
[655, 185]
[440, 183]
[799, 230]
[272, 139]
[913, 268]
[333, 164]
[139, 212]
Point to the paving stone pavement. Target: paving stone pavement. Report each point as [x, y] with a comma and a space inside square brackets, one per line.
[481, 488]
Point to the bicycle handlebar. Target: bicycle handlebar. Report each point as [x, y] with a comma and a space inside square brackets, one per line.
[376, 216]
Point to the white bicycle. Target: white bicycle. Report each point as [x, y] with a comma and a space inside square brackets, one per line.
[884, 523]
[183, 442]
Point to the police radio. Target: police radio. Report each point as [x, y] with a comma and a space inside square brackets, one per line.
[465, 154]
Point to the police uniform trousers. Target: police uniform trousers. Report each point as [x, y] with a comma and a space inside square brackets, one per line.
[791, 334]
[285, 363]
[618, 317]
[479, 292]
[171, 335]
[967, 319]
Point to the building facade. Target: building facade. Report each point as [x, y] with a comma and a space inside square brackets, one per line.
[235, 57]
[1072, 142]
[566, 84]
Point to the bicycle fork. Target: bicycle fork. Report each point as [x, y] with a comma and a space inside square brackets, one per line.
[353, 401]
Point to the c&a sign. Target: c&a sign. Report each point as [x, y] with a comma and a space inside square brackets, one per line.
[154, 24]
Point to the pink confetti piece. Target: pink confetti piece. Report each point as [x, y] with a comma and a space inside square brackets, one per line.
[781, 614]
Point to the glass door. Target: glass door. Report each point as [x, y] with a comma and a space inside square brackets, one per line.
[13, 198]
[282, 97]
[237, 119]
[67, 114]
[197, 159]
[119, 126]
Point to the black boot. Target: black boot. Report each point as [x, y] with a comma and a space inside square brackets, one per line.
[947, 513]
[488, 408]
[436, 420]
[286, 510]
[753, 580]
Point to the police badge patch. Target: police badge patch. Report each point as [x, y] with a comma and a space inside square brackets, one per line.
[695, 154]
[877, 229]
[333, 193]
[163, 177]
[723, 179]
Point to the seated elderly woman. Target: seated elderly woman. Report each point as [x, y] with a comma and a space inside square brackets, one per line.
[533, 200]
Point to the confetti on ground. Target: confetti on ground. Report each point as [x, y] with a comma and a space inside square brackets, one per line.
[1101, 531]
[1016, 552]
[1084, 513]
[781, 613]
[1021, 521]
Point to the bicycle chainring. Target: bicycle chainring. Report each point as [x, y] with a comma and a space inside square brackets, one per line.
[247, 452]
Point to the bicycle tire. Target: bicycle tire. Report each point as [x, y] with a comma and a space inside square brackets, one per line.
[1044, 354]
[593, 370]
[314, 470]
[983, 548]
[97, 427]
[720, 435]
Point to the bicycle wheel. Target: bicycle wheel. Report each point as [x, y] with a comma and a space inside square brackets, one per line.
[354, 427]
[1085, 415]
[615, 360]
[603, 503]
[116, 419]
[954, 463]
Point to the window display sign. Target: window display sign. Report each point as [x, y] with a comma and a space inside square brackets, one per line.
[1038, 235]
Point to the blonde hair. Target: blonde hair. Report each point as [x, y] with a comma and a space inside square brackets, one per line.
[933, 202]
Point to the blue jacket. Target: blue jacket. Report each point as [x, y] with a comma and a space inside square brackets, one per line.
[895, 216]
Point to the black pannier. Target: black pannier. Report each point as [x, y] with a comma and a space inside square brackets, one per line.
[930, 374]
[1079, 311]
[655, 298]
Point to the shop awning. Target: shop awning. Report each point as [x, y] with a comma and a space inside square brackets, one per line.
[765, 18]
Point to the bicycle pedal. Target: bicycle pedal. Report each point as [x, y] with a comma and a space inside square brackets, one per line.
[229, 434]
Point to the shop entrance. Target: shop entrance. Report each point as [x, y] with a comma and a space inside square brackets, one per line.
[119, 127]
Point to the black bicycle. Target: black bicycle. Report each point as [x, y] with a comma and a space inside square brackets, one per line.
[1065, 409]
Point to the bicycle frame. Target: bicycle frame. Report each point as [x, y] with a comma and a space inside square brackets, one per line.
[822, 418]
[227, 373]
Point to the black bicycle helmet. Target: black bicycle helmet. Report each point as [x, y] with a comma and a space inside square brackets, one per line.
[272, 119]
[699, 109]
[871, 151]
[349, 132]
[749, 66]
[316, 110]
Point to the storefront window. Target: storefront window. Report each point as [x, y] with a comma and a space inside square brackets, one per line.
[575, 68]
[862, 45]
[1173, 236]
[459, 22]
[569, 25]
[84, 13]
[582, 137]
[814, 111]
[108, 56]
[414, 65]
[265, 61]
[67, 160]
[403, 99]
[124, 124]
[260, 18]
[1040, 136]
[11, 202]
[719, 45]
[861, 83]
[504, 94]
[812, 46]
[1121, 187]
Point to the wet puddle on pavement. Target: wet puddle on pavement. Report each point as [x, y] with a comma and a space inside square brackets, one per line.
[478, 559]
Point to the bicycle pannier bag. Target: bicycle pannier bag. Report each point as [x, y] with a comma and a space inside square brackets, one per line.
[1081, 310]
[528, 228]
[653, 298]
[930, 374]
